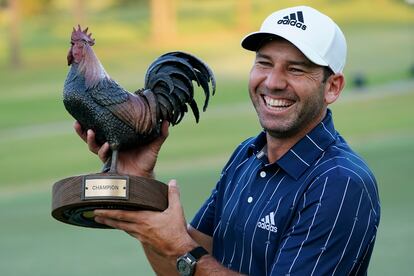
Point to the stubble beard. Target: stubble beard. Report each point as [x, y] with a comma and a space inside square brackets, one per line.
[305, 117]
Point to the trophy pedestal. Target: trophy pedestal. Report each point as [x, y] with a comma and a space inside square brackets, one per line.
[75, 198]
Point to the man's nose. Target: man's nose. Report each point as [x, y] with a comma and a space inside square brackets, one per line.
[276, 80]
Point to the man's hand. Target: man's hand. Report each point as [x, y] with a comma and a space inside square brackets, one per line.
[138, 161]
[165, 232]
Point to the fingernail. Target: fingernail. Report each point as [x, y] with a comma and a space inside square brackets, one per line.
[97, 212]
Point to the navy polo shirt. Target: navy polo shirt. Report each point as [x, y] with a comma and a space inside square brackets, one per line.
[315, 211]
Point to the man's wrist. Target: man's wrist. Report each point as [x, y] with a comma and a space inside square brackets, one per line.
[187, 263]
[137, 171]
[185, 247]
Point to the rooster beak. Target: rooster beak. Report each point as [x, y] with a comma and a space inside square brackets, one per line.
[70, 56]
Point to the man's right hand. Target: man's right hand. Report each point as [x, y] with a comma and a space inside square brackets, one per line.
[139, 161]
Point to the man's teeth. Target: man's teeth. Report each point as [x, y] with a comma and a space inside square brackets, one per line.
[277, 102]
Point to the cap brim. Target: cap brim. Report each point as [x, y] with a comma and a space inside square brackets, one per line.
[254, 41]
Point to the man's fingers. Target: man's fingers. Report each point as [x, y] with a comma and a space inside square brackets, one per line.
[164, 129]
[119, 215]
[90, 140]
[173, 195]
[79, 130]
[89, 137]
[161, 139]
[103, 152]
[164, 132]
[117, 224]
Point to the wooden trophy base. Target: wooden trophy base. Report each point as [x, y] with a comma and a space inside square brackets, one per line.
[75, 198]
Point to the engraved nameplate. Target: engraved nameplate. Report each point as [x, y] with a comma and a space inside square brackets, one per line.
[105, 187]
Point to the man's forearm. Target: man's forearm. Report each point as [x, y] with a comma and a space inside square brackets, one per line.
[207, 266]
[160, 264]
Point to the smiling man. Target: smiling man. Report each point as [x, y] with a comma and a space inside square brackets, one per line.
[294, 200]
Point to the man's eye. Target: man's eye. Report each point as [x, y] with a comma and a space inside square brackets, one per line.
[264, 63]
[296, 70]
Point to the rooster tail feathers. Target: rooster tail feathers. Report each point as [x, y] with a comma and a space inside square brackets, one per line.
[194, 108]
[162, 81]
[170, 78]
[196, 63]
[203, 81]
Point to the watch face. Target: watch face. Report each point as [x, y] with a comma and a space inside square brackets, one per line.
[183, 267]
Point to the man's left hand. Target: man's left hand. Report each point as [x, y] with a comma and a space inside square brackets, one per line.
[165, 232]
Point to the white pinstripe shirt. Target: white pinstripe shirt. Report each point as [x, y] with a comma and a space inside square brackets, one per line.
[313, 212]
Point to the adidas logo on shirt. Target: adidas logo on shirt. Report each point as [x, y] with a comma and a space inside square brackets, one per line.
[268, 223]
[294, 19]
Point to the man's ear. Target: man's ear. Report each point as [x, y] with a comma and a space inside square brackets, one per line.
[333, 87]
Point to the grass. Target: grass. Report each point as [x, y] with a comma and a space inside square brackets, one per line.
[39, 147]
[33, 241]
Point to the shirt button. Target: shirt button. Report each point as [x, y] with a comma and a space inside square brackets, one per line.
[249, 199]
[263, 174]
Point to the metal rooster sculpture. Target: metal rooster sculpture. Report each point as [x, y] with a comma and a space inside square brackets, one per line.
[127, 119]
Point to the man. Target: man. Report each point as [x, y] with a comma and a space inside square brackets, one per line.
[295, 200]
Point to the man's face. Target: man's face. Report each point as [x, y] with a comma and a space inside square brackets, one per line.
[286, 89]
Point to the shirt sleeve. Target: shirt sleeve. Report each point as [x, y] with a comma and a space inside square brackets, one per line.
[332, 232]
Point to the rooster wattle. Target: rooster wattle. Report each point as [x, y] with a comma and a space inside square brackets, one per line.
[125, 119]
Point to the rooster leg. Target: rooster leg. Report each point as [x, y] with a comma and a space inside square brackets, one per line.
[110, 165]
[114, 161]
[106, 166]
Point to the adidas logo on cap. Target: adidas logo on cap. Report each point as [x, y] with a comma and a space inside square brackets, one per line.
[294, 19]
[268, 223]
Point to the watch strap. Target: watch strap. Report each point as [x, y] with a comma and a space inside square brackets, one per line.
[198, 252]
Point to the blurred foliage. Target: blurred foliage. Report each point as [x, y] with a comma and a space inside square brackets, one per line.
[132, 3]
[205, 25]
[30, 7]
[342, 10]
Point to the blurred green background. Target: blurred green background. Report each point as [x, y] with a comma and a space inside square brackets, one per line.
[38, 145]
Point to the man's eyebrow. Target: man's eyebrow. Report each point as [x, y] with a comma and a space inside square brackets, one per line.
[304, 63]
[260, 55]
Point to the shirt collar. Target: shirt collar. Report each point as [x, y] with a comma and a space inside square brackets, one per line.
[305, 152]
[257, 144]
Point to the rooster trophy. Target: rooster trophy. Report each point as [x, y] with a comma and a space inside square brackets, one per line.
[124, 120]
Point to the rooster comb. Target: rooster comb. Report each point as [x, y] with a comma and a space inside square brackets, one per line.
[82, 35]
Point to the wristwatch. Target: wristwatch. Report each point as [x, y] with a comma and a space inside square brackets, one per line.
[186, 263]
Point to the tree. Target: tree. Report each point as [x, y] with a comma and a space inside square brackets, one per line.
[14, 32]
[163, 20]
[243, 13]
[79, 11]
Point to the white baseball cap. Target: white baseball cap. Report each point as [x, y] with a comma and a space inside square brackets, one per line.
[316, 35]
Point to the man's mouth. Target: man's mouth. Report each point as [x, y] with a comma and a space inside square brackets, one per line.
[277, 104]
